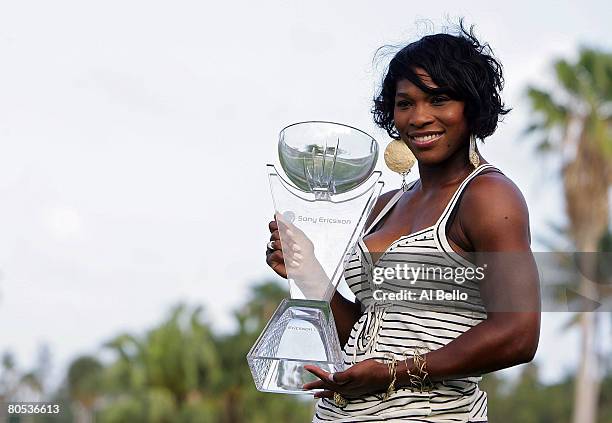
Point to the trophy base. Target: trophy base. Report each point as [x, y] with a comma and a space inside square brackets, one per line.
[300, 332]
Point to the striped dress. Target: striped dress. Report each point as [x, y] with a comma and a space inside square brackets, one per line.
[390, 328]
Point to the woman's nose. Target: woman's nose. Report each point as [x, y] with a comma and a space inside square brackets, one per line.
[420, 116]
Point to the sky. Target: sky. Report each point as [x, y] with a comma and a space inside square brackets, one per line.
[134, 138]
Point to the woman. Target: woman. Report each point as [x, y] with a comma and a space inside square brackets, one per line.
[439, 94]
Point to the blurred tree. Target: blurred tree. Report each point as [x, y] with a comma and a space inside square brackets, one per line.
[242, 402]
[180, 371]
[43, 366]
[84, 379]
[147, 382]
[172, 367]
[575, 120]
[8, 376]
[526, 399]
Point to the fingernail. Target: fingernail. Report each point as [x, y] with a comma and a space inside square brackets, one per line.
[296, 248]
[290, 233]
[298, 256]
[294, 263]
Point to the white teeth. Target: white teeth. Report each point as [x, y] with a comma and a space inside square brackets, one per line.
[426, 137]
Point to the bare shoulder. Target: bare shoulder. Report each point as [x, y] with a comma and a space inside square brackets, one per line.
[495, 191]
[494, 214]
[381, 202]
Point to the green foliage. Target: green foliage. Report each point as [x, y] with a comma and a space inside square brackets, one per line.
[8, 361]
[84, 377]
[552, 114]
[529, 401]
[584, 94]
[182, 372]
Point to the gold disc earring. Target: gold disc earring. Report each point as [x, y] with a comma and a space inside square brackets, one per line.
[473, 154]
[399, 159]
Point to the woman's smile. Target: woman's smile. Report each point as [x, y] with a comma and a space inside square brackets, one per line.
[425, 139]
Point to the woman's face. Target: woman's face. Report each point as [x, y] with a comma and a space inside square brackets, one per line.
[433, 126]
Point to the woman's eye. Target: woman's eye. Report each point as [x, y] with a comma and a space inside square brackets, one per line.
[438, 99]
[402, 103]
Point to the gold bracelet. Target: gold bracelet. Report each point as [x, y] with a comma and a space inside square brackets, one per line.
[420, 380]
[408, 371]
[392, 365]
[339, 400]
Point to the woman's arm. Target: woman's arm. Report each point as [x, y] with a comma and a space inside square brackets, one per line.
[346, 312]
[494, 216]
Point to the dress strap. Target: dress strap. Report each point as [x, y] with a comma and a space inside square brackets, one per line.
[389, 206]
[440, 227]
[455, 198]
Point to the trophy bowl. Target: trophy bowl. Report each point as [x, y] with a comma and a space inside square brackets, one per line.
[319, 156]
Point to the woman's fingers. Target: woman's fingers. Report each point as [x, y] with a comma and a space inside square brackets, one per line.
[289, 228]
[317, 384]
[273, 226]
[325, 381]
[275, 242]
[274, 252]
[291, 234]
[292, 257]
[274, 236]
[275, 260]
[324, 394]
[319, 372]
[332, 382]
[340, 378]
[275, 257]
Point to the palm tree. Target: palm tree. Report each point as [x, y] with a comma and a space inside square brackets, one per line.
[7, 376]
[171, 369]
[575, 120]
[84, 378]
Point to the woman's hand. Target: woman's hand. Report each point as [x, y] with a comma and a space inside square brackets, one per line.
[274, 255]
[295, 258]
[294, 254]
[366, 377]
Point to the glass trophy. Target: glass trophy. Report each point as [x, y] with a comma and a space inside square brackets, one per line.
[321, 211]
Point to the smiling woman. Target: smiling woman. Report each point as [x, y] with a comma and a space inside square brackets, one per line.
[462, 68]
[421, 360]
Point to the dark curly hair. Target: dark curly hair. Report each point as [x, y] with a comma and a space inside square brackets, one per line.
[462, 67]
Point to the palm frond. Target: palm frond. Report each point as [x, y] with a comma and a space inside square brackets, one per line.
[545, 146]
[553, 113]
[600, 133]
[568, 77]
[596, 70]
[533, 127]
